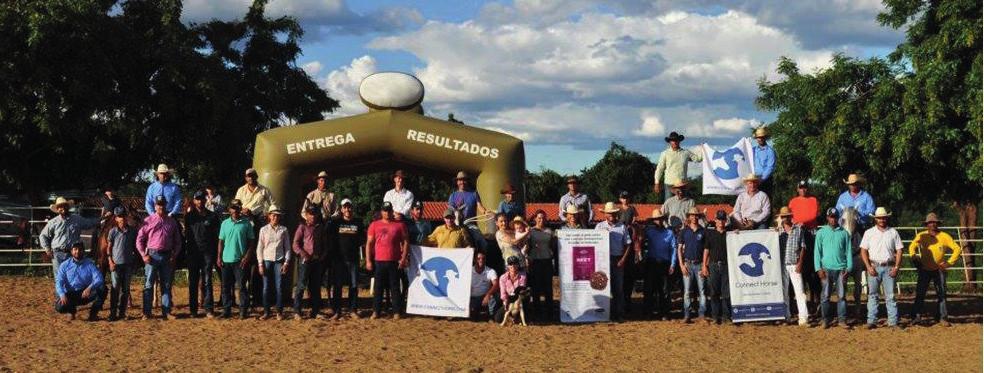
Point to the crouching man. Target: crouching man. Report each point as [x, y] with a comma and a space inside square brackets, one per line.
[78, 282]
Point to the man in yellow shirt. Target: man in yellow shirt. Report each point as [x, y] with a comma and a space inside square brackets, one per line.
[449, 235]
[928, 250]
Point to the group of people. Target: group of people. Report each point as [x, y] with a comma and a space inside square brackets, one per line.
[254, 252]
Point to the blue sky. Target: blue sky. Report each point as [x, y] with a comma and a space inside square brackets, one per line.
[570, 76]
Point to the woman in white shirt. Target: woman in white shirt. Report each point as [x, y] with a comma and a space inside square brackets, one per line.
[273, 254]
[510, 241]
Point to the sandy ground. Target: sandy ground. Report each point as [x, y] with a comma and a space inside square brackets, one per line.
[34, 338]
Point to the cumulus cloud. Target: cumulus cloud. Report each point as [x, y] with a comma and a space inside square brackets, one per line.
[651, 126]
[312, 68]
[343, 85]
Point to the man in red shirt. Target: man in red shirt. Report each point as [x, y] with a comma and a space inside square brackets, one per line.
[387, 245]
[805, 209]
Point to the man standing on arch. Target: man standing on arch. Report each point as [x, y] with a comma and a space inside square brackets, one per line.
[672, 164]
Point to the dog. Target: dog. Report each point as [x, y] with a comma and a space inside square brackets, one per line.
[514, 306]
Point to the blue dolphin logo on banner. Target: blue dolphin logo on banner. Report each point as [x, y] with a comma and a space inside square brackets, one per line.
[731, 158]
[754, 251]
[440, 266]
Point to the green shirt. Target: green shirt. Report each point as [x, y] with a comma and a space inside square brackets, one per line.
[832, 249]
[672, 164]
[235, 236]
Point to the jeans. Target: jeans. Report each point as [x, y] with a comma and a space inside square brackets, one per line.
[689, 279]
[718, 290]
[57, 257]
[97, 295]
[475, 305]
[159, 267]
[656, 287]
[790, 276]
[272, 285]
[233, 274]
[200, 268]
[882, 277]
[541, 286]
[119, 296]
[344, 273]
[618, 287]
[835, 277]
[387, 276]
[308, 278]
[922, 284]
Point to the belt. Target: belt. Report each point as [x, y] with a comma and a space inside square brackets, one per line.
[884, 264]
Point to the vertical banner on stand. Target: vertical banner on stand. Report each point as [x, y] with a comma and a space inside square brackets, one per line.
[585, 280]
[440, 281]
[755, 275]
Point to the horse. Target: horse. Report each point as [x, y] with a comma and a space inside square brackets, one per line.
[850, 221]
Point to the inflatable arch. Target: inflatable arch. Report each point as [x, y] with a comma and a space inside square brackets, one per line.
[385, 140]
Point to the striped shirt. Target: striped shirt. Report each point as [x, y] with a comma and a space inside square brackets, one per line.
[791, 242]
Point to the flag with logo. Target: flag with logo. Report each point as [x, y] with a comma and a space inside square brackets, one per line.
[440, 281]
[585, 276]
[723, 170]
[755, 276]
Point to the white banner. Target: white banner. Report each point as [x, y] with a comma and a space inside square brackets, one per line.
[440, 281]
[755, 276]
[585, 277]
[723, 170]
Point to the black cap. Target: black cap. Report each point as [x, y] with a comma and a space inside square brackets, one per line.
[200, 195]
[418, 205]
[160, 200]
[721, 215]
[387, 206]
[78, 245]
[832, 212]
[513, 260]
[119, 211]
[623, 194]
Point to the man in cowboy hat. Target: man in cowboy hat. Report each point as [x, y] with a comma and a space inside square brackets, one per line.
[881, 253]
[929, 250]
[571, 219]
[468, 203]
[752, 207]
[201, 232]
[792, 246]
[765, 158]
[832, 261]
[159, 243]
[62, 231]
[661, 256]
[579, 200]
[509, 206]
[857, 198]
[78, 281]
[675, 208]
[321, 197]
[400, 197]
[619, 238]
[715, 267]
[255, 199]
[672, 164]
[691, 253]
[163, 187]
[449, 235]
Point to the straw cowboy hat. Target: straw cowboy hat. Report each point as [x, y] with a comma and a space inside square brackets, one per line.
[163, 169]
[853, 179]
[322, 174]
[751, 177]
[784, 211]
[570, 209]
[519, 220]
[674, 137]
[694, 211]
[761, 132]
[657, 214]
[881, 212]
[931, 217]
[61, 201]
[682, 184]
[610, 208]
[508, 189]
[275, 210]
[461, 176]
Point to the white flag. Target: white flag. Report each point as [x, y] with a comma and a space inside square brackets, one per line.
[723, 170]
[440, 281]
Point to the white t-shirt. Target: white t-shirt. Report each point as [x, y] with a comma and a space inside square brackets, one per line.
[881, 245]
[402, 201]
[482, 282]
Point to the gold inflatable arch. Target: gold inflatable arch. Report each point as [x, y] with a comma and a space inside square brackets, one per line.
[286, 158]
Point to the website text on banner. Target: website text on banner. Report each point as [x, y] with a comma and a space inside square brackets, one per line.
[585, 276]
[755, 275]
[440, 281]
[723, 170]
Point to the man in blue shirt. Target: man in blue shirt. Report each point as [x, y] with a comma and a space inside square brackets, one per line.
[661, 256]
[619, 238]
[765, 159]
[164, 187]
[78, 282]
[859, 199]
[509, 206]
[691, 263]
[467, 203]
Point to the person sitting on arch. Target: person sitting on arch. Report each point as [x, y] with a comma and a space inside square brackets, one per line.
[322, 197]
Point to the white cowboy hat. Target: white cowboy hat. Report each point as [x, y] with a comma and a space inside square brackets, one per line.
[694, 211]
[680, 184]
[519, 220]
[657, 214]
[322, 174]
[751, 177]
[61, 201]
[784, 211]
[274, 210]
[570, 209]
[853, 179]
[881, 212]
[761, 132]
[610, 208]
[163, 169]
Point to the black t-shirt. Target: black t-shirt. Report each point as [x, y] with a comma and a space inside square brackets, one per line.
[717, 246]
[347, 237]
[110, 204]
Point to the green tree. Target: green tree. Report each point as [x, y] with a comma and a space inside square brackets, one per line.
[544, 186]
[619, 169]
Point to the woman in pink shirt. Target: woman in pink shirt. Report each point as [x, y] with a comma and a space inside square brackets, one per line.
[511, 280]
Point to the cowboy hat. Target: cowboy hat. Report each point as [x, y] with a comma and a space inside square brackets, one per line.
[274, 210]
[236, 205]
[784, 211]
[881, 212]
[399, 173]
[572, 180]
[674, 137]
[761, 132]
[694, 211]
[610, 208]
[322, 174]
[163, 169]
[61, 201]
[251, 171]
[657, 214]
[461, 176]
[931, 217]
[853, 179]
[682, 184]
[519, 220]
[751, 177]
[508, 189]
[570, 209]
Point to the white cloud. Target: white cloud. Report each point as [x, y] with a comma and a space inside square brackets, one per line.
[318, 17]
[651, 126]
[342, 84]
[312, 68]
